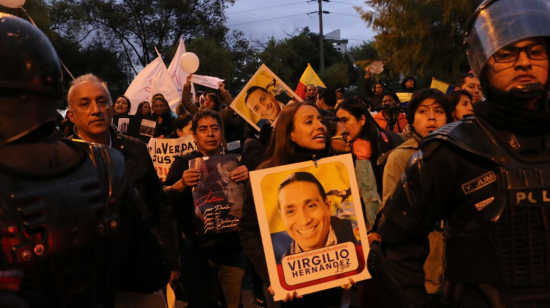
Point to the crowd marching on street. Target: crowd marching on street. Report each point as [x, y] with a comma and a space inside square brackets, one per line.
[453, 186]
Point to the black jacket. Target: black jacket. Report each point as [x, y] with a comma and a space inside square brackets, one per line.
[145, 180]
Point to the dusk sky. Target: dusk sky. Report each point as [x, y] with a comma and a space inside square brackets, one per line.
[261, 19]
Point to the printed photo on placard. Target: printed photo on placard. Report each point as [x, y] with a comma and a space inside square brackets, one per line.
[218, 199]
[262, 99]
[310, 219]
[147, 128]
[164, 151]
[123, 124]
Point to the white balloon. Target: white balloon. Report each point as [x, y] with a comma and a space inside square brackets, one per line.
[189, 62]
[14, 4]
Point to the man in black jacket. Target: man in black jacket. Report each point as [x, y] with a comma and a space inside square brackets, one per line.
[203, 254]
[487, 177]
[91, 110]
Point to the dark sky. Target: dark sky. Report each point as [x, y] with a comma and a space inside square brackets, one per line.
[261, 19]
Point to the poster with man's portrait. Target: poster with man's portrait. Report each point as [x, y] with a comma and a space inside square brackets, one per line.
[310, 219]
[263, 98]
[218, 199]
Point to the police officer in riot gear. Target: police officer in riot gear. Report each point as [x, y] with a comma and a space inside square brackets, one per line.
[487, 177]
[64, 205]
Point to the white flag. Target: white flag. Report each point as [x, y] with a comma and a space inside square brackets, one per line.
[153, 79]
[207, 81]
[178, 75]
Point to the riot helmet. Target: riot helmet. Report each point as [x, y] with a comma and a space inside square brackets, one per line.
[498, 23]
[30, 78]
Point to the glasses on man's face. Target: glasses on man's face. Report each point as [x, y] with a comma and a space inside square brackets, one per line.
[344, 136]
[511, 54]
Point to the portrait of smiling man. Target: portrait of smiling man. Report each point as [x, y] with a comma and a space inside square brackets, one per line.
[307, 216]
[262, 103]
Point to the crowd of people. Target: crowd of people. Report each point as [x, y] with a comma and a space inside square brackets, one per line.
[453, 186]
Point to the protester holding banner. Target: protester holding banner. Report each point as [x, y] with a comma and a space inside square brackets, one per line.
[163, 116]
[143, 113]
[91, 110]
[205, 256]
[298, 136]
[233, 123]
[121, 109]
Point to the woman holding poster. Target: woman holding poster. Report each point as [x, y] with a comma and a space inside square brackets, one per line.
[301, 124]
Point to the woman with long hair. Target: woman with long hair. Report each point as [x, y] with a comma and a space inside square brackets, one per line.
[233, 124]
[143, 109]
[369, 141]
[298, 136]
[162, 115]
[122, 105]
[183, 126]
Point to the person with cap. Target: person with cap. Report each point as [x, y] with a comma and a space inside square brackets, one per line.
[67, 208]
[487, 177]
[340, 94]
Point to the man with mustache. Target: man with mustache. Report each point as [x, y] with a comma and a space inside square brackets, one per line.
[487, 177]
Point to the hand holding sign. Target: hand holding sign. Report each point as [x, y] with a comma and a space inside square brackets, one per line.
[189, 62]
[14, 4]
[240, 174]
[191, 177]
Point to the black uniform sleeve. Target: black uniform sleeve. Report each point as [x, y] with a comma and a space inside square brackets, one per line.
[417, 204]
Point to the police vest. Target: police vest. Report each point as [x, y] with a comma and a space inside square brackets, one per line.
[60, 229]
[507, 240]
